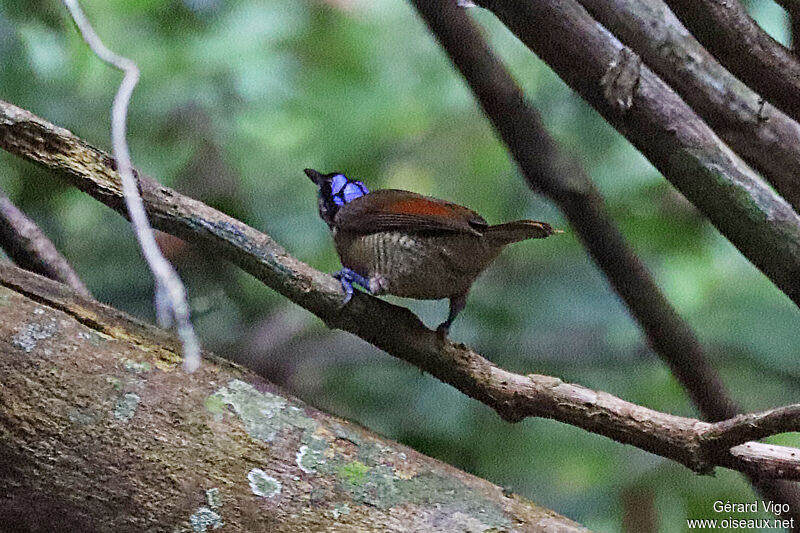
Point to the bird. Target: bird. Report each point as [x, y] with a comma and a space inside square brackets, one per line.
[402, 243]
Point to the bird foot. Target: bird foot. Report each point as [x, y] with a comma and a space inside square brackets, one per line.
[347, 278]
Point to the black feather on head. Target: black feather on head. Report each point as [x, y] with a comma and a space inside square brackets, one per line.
[335, 190]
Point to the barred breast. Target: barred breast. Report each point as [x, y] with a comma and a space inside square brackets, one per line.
[422, 266]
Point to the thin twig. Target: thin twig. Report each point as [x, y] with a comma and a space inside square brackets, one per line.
[170, 293]
[395, 329]
[28, 246]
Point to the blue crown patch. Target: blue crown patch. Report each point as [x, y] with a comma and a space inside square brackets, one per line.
[344, 190]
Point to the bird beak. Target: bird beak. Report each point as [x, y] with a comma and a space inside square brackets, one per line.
[315, 176]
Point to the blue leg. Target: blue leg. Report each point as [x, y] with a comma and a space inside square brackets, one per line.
[347, 277]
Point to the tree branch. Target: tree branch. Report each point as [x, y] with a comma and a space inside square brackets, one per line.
[671, 135]
[728, 32]
[99, 432]
[550, 171]
[393, 329]
[761, 224]
[28, 246]
[765, 137]
[742, 428]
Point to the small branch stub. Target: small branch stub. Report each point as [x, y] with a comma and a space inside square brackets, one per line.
[622, 79]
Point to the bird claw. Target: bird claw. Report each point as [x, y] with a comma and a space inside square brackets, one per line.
[347, 278]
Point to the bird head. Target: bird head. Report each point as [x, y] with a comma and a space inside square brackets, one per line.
[335, 190]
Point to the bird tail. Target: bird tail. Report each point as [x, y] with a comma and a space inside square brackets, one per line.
[519, 230]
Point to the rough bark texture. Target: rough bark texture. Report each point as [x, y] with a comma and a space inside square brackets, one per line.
[745, 209]
[100, 430]
[766, 138]
[613, 79]
[395, 329]
[728, 32]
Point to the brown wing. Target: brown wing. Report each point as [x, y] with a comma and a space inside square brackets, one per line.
[391, 209]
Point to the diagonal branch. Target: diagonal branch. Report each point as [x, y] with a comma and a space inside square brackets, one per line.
[689, 154]
[221, 448]
[550, 171]
[765, 137]
[28, 246]
[734, 38]
[563, 179]
[761, 224]
[393, 329]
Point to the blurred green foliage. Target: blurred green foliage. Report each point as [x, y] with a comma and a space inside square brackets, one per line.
[236, 98]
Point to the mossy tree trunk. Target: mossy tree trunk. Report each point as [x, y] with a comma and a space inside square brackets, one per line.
[100, 430]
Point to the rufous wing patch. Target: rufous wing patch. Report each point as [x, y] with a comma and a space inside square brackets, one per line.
[420, 206]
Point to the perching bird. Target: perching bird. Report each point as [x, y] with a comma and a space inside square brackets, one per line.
[402, 243]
